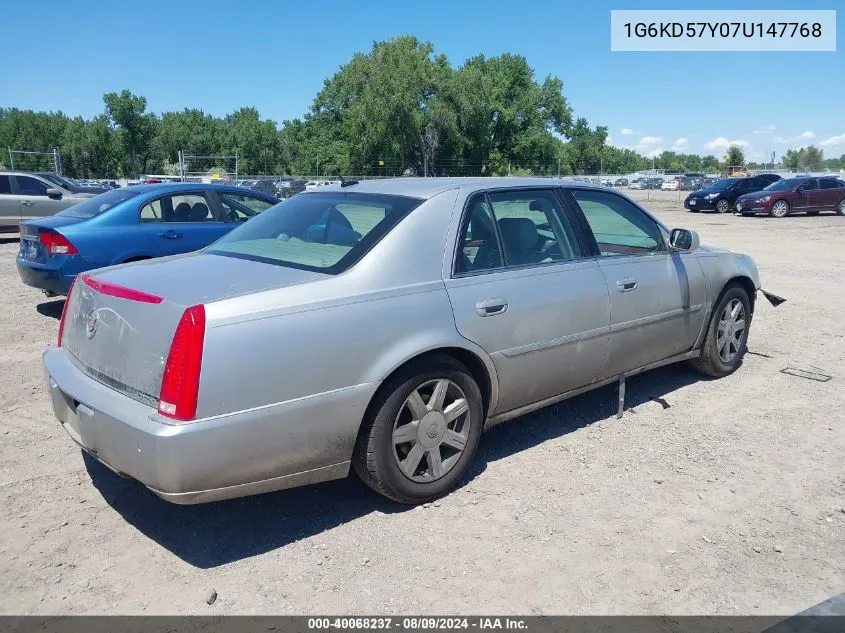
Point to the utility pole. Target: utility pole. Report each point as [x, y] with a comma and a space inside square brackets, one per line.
[558, 168]
[11, 159]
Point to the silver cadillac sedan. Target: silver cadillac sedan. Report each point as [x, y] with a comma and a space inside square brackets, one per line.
[382, 325]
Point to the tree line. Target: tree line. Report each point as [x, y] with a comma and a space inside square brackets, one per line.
[398, 109]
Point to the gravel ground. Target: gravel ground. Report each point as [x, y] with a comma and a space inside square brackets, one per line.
[716, 497]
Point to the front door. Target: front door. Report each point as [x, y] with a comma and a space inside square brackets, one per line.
[656, 295]
[522, 289]
[33, 199]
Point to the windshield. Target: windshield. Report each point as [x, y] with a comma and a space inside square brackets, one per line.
[322, 232]
[724, 184]
[783, 185]
[54, 179]
[99, 204]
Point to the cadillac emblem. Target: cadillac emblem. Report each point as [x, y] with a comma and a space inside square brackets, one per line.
[91, 324]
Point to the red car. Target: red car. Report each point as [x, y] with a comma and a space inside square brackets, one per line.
[795, 195]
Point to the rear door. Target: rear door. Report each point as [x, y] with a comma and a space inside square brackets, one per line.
[10, 215]
[32, 197]
[829, 193]
[181, 222]
[522, 289]
[808, 195]
[656, 295]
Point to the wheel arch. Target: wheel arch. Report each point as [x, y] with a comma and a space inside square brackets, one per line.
[744, 282]
[482, 371]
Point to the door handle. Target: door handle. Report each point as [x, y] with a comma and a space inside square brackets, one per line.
[27, 203]
[170, 235]
[626, 285]
[491, 307]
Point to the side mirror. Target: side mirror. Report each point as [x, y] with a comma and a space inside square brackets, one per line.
[683, 240]
[55, 194]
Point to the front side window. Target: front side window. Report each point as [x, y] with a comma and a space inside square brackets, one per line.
[533, 227]
[240, 207]
[5, 185]
[620, 228]
[181, 207]
[28, 186]
[323, 232]
[811, 185]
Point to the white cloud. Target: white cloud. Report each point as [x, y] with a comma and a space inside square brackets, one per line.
[608, 140]
[804, 137]
[766, 129]
[720, 142]
[833, 141]
[681, 144]
[626, 131]
[657, 151]
[650, 140]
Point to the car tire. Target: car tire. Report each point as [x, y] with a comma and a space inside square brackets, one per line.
[717, 362]
[780, 209]
[840, 209]
[386, 464]
[723, 206]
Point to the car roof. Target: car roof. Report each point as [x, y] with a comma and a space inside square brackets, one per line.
[165, 187]
[429, 187]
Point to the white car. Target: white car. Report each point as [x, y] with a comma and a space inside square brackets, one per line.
[636, 184]
[670, 185]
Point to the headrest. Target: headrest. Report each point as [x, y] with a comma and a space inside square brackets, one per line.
[518, 234]
[199, 212]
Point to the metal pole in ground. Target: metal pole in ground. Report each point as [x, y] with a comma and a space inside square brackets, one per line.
[11, 159]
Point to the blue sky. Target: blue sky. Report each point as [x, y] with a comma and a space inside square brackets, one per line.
[274, 55]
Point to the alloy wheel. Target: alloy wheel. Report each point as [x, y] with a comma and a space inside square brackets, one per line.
[731, 331]
[723, 206]
[431, 430]
[780, 209]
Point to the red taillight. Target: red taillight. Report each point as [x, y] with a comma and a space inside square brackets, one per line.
[181, 381]
[121, 292]
[64, 312]
[57, 244]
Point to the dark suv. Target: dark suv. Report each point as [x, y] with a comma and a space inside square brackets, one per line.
[722, 194]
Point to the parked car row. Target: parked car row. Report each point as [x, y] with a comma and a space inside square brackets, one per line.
[770, 194]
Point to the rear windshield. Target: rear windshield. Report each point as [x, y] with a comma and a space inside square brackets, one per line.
[99, 203]
[322, 232]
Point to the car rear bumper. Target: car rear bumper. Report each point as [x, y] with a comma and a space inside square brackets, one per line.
[217, 458]
[46, 277]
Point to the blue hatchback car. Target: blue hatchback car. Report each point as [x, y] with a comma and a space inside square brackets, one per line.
[130, 224]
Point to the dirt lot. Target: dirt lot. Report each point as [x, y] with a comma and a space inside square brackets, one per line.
[710, 497]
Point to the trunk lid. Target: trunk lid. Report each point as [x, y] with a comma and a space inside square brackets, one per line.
[120, 321]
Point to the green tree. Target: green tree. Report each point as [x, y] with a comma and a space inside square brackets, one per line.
[709, 164]
[136, 128]
[811, 158]
[735, 156]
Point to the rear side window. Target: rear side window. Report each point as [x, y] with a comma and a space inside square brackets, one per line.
[179, 207]
[533, 227]
[323, 232]
[478, 243]
[620, 228]
[828, 183]
[5, 185]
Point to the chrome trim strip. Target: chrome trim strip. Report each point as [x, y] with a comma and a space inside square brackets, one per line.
[555, 342]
